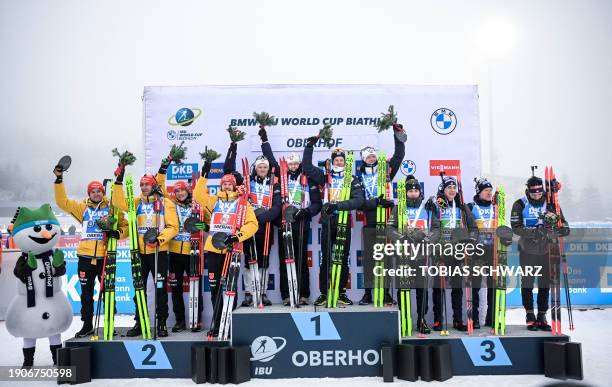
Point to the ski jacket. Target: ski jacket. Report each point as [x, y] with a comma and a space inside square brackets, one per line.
[86, 212]
[209, 202]
[146, 219]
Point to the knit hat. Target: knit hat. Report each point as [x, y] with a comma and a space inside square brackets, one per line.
[535, 184]
[95, 185]
[481, 184]
[148, 179]
[338, 152]
[261, 160]
[181, 185]
[229, 178]
[448, 181]
[367, 151]
[294, 158]
[412, 183]
[27, 218]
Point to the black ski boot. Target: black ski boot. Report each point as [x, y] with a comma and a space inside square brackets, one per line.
[179, 326]
[460, 326]
[476, 323]
[198, 327]
[136, 330]
[388, 300]
[86, 330]
[344, 300]
[248, 300]
[530, 319]
[162, 330]
[542, 324]
[488, 322]
[265, 300]
[54, 349]
[422, 326]
[321, 300]
[366, 299]
[28, 357]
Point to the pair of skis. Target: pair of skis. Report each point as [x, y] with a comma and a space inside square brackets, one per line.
[196, 264]
[404, 299]
[468, 279]
[288, 212]
[230, 275]
[138, 283]
[500, 257]
[108, 281]
[557, 255]
[341, 235]
[382, 214]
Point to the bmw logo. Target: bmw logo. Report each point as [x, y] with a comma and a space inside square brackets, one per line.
[171, 135]
[184, 117]
[408, 167]
[443, 121]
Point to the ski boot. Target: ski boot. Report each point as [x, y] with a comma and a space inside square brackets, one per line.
[198, 327]
[303, 301]
[54, 349]
[86, 330]
[422, 326]
[366, 299]
[437, 326]
[344, 300]
[388, 300]
[321, 300]
[476, 322]
[162, 330]
[136, 330]
[265, 300]
[530, 319]
[179, 326]
[286, 302]
[248, 300]
[460, 326]
[542, 324]
[28, 357]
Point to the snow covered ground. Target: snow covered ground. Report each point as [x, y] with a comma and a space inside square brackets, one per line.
[592, 331]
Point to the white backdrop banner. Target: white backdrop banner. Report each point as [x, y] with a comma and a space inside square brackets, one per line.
[442, 124]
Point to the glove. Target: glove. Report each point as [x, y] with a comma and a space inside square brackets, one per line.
[441, 203]
[398, 127]
[22, 269]
[119, 172]
[382, 202]
[330, 208]
[302, 213]
[551, 218]
[59, 174]
[59, 270]
[58, 258]
[263, 135]
[311, 141]
[111, 234]
[153, 244]
[230, 240]
[32, 261]
[563, 231]
[539, 232]
[206, 168]
[165, 164]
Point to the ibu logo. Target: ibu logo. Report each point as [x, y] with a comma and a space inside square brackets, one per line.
[182, 171]
[264, 348]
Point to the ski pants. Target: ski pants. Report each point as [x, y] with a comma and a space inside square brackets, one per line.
[179, 266]
[527, 282]
[89, 269]
[301, 266]
[148, 267]
[329, 233]
[215, 263]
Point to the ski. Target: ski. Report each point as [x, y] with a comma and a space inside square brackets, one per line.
[339, 243]
[253, 264]
[110, 267]
[381, 227]
[195, 264]
[468, 279]
[231, 273]
[138, 283]
[288, 210]
[266, 247]
[404, 301]
[500, 258]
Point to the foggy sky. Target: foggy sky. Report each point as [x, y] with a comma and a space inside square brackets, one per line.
[72, 72]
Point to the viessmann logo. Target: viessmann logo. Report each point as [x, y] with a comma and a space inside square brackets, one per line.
[451, 167]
